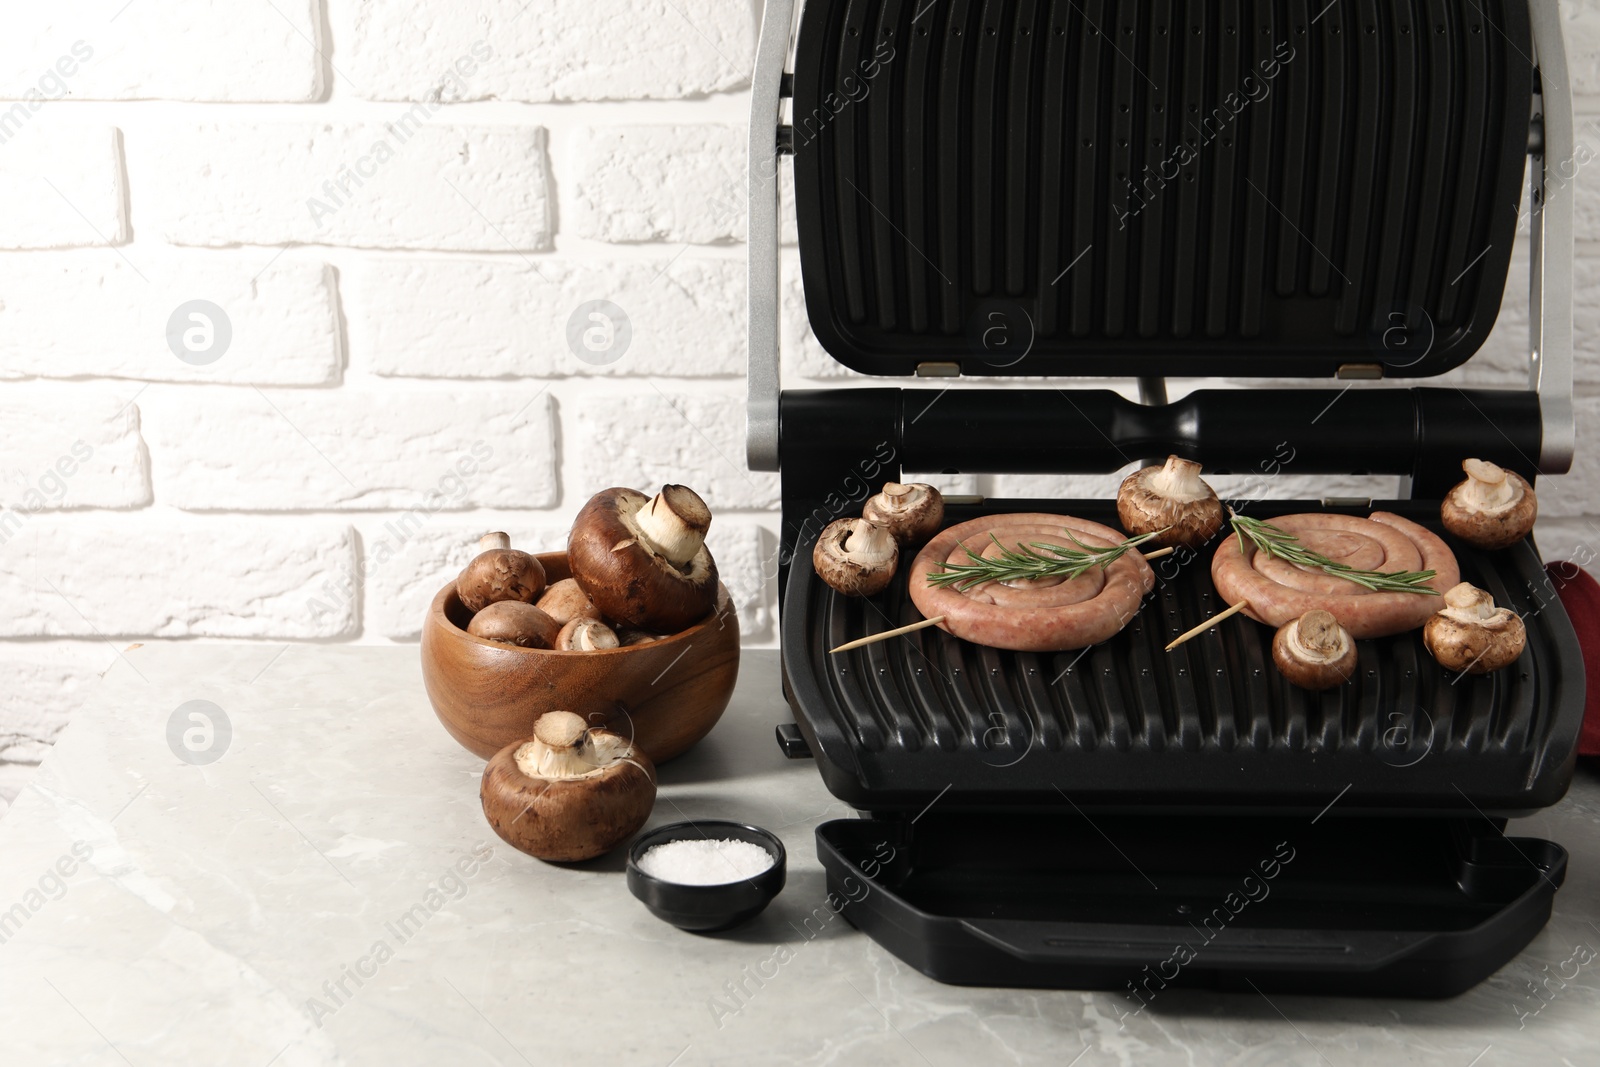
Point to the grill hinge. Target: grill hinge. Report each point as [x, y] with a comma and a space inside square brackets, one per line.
[938, 370]
[1360, 372]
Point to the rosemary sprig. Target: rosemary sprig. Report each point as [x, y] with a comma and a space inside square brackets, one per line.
[1276, 541]
[1031, 561]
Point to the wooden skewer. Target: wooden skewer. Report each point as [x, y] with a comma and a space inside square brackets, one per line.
[937, 619]
[875, 638]
[1209, 623]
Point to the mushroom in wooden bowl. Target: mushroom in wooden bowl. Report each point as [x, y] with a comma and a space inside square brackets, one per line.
[664, 694]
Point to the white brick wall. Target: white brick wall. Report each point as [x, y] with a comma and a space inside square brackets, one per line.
[553, 50]
[391, 215]
[679, 183]
[407, 181]
[433, 318]
[70, 449]
[61, 182]
[182, 576]
[284, 317]
[248, 450]
[214, 50]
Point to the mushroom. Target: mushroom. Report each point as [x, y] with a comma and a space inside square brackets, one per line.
[643, 560]
[1470, 634]
[499, 572]
[632, 635]
[513, 622]
[1493, 508]
[586, 635]
[1314, 651]
[569, 793]
[565, 600]
[855, 557]
[912, 513]
[1171, 501]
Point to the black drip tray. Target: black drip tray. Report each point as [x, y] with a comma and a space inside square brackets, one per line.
[1211, 725]
[1135, 903]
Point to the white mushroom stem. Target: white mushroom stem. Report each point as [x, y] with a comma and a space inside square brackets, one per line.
[587, 635]
[491, 541]
[898, 498]
[868, 544]
[564, 747]
[1466, 603]
[1179, 480]
[1316, 637]
[1488, 489]
[674, 523]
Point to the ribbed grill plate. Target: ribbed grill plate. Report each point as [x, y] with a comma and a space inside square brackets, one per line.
[1272, 187]
[1212, 724]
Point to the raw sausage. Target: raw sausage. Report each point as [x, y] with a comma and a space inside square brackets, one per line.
[1279, 591]
[1042, 617]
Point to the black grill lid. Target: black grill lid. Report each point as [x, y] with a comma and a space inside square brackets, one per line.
[1094, 187]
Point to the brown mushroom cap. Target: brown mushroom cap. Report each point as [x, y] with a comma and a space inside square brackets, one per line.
[1173, 498]
[513, 622]
[569, 793]
[586, 635]
[643, 560]
[1470, 634]
[1314, 651]
[565, 600]
[855, 557]
[499, 572]
[1493, 508]
[912, 513]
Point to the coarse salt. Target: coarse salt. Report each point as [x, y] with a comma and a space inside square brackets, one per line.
[698, 861]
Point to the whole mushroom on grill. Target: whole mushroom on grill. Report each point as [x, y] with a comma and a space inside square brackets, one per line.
[570, 793]
[855, 557]
[1493, 508]
[499, 572]
[1314, 651]
[1470, 634]
[911, 513]
[514, 622]
[642, 560]
[1171, 501]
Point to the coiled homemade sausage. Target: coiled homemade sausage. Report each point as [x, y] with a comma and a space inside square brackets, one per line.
[1278, 591]
[1031, 617]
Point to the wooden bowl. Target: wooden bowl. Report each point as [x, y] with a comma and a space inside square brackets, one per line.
[666, 695]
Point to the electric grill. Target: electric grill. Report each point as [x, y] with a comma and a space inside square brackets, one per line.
[1054, 188]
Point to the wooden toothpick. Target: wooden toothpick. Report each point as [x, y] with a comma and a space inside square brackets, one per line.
[875, 638]
[1209, 623]
[937, 619]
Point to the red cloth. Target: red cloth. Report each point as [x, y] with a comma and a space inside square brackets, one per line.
[1580, 595]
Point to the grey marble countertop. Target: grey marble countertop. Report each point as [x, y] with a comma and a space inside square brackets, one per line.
[326, 891]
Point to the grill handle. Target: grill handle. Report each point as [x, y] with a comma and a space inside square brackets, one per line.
[1159, 951]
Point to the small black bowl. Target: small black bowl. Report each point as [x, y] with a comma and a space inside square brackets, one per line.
[704, 909]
